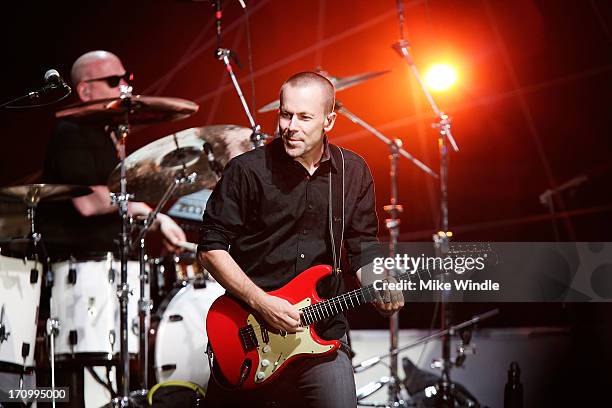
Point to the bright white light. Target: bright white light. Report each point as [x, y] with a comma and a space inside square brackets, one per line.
[430, 391]
[440, 77]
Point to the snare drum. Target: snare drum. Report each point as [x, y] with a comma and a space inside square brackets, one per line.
[180, 341]
[84, 300]
[173, 271]
[20, 282]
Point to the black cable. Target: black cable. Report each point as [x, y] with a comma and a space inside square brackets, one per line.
[108, 379]
[100, 381]
[37, 105]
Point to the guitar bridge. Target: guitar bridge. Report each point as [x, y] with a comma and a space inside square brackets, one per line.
[248, 338]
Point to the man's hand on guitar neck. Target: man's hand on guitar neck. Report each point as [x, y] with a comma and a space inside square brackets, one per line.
[278, 313]
[388, 301]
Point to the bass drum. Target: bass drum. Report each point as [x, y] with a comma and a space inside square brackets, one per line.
[181, 339]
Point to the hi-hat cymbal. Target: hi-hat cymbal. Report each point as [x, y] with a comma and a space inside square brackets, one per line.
[31, 194]
[140, 109]
[152, 168]
[339, 83]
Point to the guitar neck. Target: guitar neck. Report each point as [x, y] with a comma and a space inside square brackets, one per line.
[341, 303]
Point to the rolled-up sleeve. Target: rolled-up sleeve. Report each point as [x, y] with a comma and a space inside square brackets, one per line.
[361, 239]
[225, 215]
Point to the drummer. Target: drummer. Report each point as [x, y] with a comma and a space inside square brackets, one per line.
[87, 155]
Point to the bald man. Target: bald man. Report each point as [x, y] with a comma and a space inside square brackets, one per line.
[267, 221]
[86, 155]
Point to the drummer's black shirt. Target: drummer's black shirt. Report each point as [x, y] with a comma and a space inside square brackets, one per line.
[78, 155]
[271, 215]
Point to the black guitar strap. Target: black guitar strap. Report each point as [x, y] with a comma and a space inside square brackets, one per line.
[336, 206]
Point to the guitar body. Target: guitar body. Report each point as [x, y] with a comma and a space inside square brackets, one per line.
[250, 356]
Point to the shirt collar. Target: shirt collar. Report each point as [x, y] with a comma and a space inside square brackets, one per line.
[282, 157]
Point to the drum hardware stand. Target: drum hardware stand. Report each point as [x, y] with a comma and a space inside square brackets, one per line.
[441, 240]
[462, 348]
[258, 138]
[145, 304]
[392, 224]
[394, 145]
[547, 199]
[35, 238]
[123, 290]
[52, 330]
[36, 250]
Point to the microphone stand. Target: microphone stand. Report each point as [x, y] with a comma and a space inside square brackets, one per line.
[441, 240]
[374, 386]
[32, 95]
[258, 138]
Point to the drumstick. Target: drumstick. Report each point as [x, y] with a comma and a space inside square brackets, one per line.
[188, 246]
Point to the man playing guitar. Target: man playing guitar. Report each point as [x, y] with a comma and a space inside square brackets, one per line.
[273, 215]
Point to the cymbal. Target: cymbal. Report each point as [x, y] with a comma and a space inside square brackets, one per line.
[31, 194]
[141, 110]
[152, 168]
[339, 83]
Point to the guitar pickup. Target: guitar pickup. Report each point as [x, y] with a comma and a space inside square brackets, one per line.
[264, 334]
[248, 338]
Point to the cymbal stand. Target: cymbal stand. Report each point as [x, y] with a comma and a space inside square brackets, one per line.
[123, 290]
[393, 225]
[144, 303]
[258, 138]
[441, 239]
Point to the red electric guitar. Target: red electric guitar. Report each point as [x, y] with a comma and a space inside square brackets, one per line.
[249, 355]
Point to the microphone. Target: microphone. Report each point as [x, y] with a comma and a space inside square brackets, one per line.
[32, 99]
[53, 80]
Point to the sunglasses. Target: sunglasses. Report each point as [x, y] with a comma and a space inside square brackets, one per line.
[114, 80]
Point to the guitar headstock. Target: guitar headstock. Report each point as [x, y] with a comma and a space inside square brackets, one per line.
[473, 250]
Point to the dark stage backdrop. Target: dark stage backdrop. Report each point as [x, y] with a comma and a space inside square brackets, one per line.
[531, 109]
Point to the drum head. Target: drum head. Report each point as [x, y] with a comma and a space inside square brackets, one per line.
[181, 340]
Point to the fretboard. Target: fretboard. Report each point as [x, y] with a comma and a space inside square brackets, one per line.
[341, 303]
[367, 294]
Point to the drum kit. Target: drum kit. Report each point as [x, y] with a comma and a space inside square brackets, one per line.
[96, 318]
[90, 300]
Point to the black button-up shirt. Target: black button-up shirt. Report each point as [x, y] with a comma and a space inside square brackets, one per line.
[272, 217]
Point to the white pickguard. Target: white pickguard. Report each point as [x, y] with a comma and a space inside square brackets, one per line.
[274, 352]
